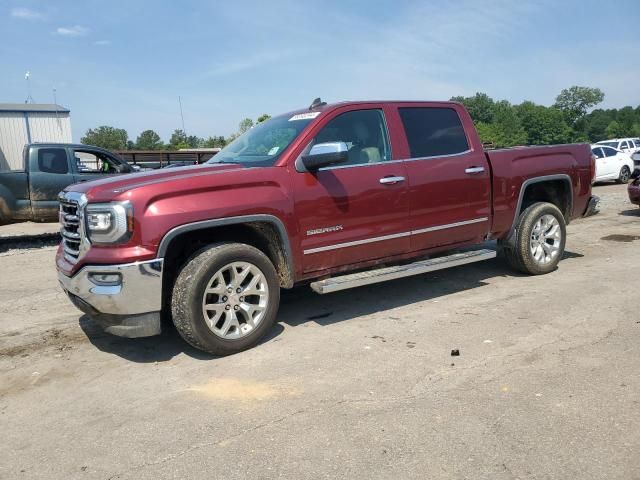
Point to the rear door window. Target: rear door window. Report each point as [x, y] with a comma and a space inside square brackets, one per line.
[433, 131]
[609, 152]
[623, 145]
[53, 160]
[597, 152]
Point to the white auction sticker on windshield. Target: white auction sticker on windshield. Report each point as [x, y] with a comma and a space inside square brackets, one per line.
[304, 116]
[273, 151]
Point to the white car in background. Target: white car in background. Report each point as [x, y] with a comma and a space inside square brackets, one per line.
[611, 164]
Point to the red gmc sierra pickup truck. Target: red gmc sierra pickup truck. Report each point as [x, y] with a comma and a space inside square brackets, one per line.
[336, 196]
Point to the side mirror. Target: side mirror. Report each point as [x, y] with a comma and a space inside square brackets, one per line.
[325, 154]
[123, 168]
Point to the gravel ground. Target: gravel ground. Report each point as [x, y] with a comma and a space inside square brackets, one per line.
[27, 229]
[357, 384]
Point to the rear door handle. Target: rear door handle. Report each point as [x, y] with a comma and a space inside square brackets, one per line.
[391, 180]
[472, 170]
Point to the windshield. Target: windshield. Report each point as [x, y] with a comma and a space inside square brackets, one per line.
[609, 144]
[264, 143]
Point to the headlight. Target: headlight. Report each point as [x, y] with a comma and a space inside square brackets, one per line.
[109, 222]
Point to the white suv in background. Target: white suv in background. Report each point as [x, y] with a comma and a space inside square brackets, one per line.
[611, 164]
[626, 145]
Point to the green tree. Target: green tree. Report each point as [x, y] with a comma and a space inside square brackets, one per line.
[214, 142]
[614, 130]
[245, 125]
[107, 137]
[149, 140]
[626, 117]
[178, 140]
[544, 125]
[510, 129]
[506, 130]
[595, 123]
[480, 107]
[263, 118]
[194, 141]
[574, 102]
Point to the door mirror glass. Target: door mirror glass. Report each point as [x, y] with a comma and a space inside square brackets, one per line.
[123, 168]
[325, 154]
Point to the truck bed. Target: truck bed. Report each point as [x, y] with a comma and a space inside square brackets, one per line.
[513, 167]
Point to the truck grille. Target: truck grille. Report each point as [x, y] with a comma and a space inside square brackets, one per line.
[70, 229]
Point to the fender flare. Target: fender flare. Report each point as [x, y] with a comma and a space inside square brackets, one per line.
[530, 181]
[243, 219]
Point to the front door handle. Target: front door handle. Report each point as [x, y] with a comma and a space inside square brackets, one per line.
[473, 170]
[391, 180]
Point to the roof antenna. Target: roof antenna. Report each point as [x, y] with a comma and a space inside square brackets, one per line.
[317, 103]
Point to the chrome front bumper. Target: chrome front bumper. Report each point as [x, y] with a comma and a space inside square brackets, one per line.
[129, 306]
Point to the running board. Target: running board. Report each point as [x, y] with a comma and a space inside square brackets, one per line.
[368, 277]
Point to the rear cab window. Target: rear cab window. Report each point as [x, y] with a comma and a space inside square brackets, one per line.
[53, 160]
[433, 131]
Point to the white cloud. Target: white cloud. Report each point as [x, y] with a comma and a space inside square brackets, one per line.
[102, 42]
[26, 14]
[75, 31]
[248, 63]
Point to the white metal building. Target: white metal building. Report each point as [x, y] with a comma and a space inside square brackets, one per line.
[22, 123]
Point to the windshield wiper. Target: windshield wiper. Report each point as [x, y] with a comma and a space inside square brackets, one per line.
[225, 161]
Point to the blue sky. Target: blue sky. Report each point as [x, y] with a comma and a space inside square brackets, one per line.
[124, 63]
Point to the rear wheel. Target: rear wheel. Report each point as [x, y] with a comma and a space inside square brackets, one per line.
[625, 175]
[225, 298]
[538, 241]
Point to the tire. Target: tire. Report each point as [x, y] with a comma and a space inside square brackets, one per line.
[213, 318]
[523, 254]
[625, 175]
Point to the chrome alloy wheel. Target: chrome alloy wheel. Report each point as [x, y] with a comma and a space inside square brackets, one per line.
[625, 174]
[235, 300]
[546, 238]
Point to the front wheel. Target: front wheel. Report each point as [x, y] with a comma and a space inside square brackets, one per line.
[538, 241]
[225, 298]
[625, 175]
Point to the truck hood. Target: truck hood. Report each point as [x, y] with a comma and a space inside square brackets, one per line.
[113, 187]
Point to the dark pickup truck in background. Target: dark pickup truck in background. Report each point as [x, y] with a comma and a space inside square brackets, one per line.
[31, 194]
[335, 196]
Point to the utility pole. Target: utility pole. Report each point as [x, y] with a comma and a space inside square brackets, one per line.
[182, 115]
[55, 103]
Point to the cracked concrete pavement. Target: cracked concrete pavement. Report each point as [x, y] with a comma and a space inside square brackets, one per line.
[357, 384]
